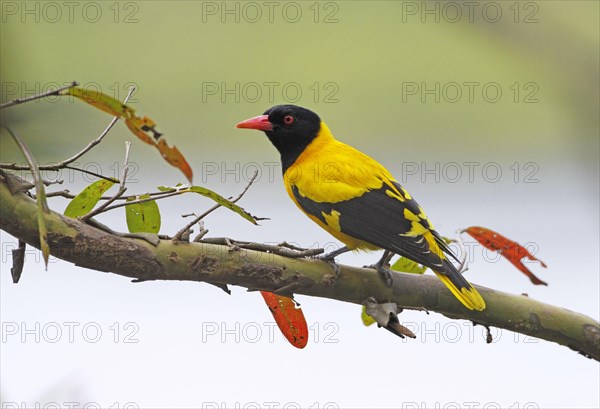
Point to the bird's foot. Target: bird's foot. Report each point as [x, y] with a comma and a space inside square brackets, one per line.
[333, 254]
[330, 259]
[382, 268]
[386, 275]
[333, 264]
[384, 272]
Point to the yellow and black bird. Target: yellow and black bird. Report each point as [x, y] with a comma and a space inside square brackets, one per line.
[355, 198]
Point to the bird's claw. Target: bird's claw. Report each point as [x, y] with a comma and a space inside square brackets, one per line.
[386, 275]
[330, 259]
[384, 272]
[382, 268]
[334, 265]
[326, 257]
[332, 254]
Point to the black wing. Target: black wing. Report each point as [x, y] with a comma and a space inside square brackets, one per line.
[378, 217]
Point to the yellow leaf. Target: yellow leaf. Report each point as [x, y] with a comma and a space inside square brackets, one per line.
[366, 318]
[99, 100]
[405, 265]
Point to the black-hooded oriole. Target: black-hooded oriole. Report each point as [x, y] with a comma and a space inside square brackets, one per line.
[355, 198]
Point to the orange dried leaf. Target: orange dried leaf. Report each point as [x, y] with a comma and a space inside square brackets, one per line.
[142, 127]
[289, 319]
[511, 250]
[135, 125]
[175, 158]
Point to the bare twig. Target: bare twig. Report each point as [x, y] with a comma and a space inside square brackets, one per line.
[121, 191]
[188, 226]
[61, 193]
[464, 265]
[125, 164]
[63, 164]
[291, 246]
[203, 232]
[267, 248]
[91, 173]
[66, 194]
[48, 182]
[151, 238]
[147, 199]
[38, 96]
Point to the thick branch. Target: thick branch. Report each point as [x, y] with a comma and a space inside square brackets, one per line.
[86, 246]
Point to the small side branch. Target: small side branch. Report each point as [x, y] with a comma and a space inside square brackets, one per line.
[38, 96]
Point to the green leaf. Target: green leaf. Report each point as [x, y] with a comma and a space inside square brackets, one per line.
[212, 195]
[405, 265]
[143, 217]
[87, 199]
[366, 318]
[223, 202]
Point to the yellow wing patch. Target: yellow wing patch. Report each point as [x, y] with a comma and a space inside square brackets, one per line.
[411, 216]
[417, 229]
[394, 195]
[333, 220]
[433, 246]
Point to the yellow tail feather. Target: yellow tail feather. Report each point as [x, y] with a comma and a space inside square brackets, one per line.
[470, 298]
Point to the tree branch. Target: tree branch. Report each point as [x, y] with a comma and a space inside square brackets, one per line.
[86, 246]
[38, 96]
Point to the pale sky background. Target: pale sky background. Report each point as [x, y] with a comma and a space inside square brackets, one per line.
[198, 69]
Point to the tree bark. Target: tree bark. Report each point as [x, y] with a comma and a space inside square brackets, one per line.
[89, 247]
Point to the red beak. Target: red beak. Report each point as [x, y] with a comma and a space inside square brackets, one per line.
[260, 123]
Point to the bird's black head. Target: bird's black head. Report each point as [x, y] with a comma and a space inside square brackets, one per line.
[290, 129]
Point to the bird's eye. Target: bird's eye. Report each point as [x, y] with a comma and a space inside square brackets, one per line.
[288, 119]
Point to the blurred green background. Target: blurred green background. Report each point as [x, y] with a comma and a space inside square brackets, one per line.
[170, 49]
[370, 70]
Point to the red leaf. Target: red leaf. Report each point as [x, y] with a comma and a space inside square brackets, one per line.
[511, 250]
[289, 319]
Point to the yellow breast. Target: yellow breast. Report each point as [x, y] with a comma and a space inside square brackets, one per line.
[329, 171]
